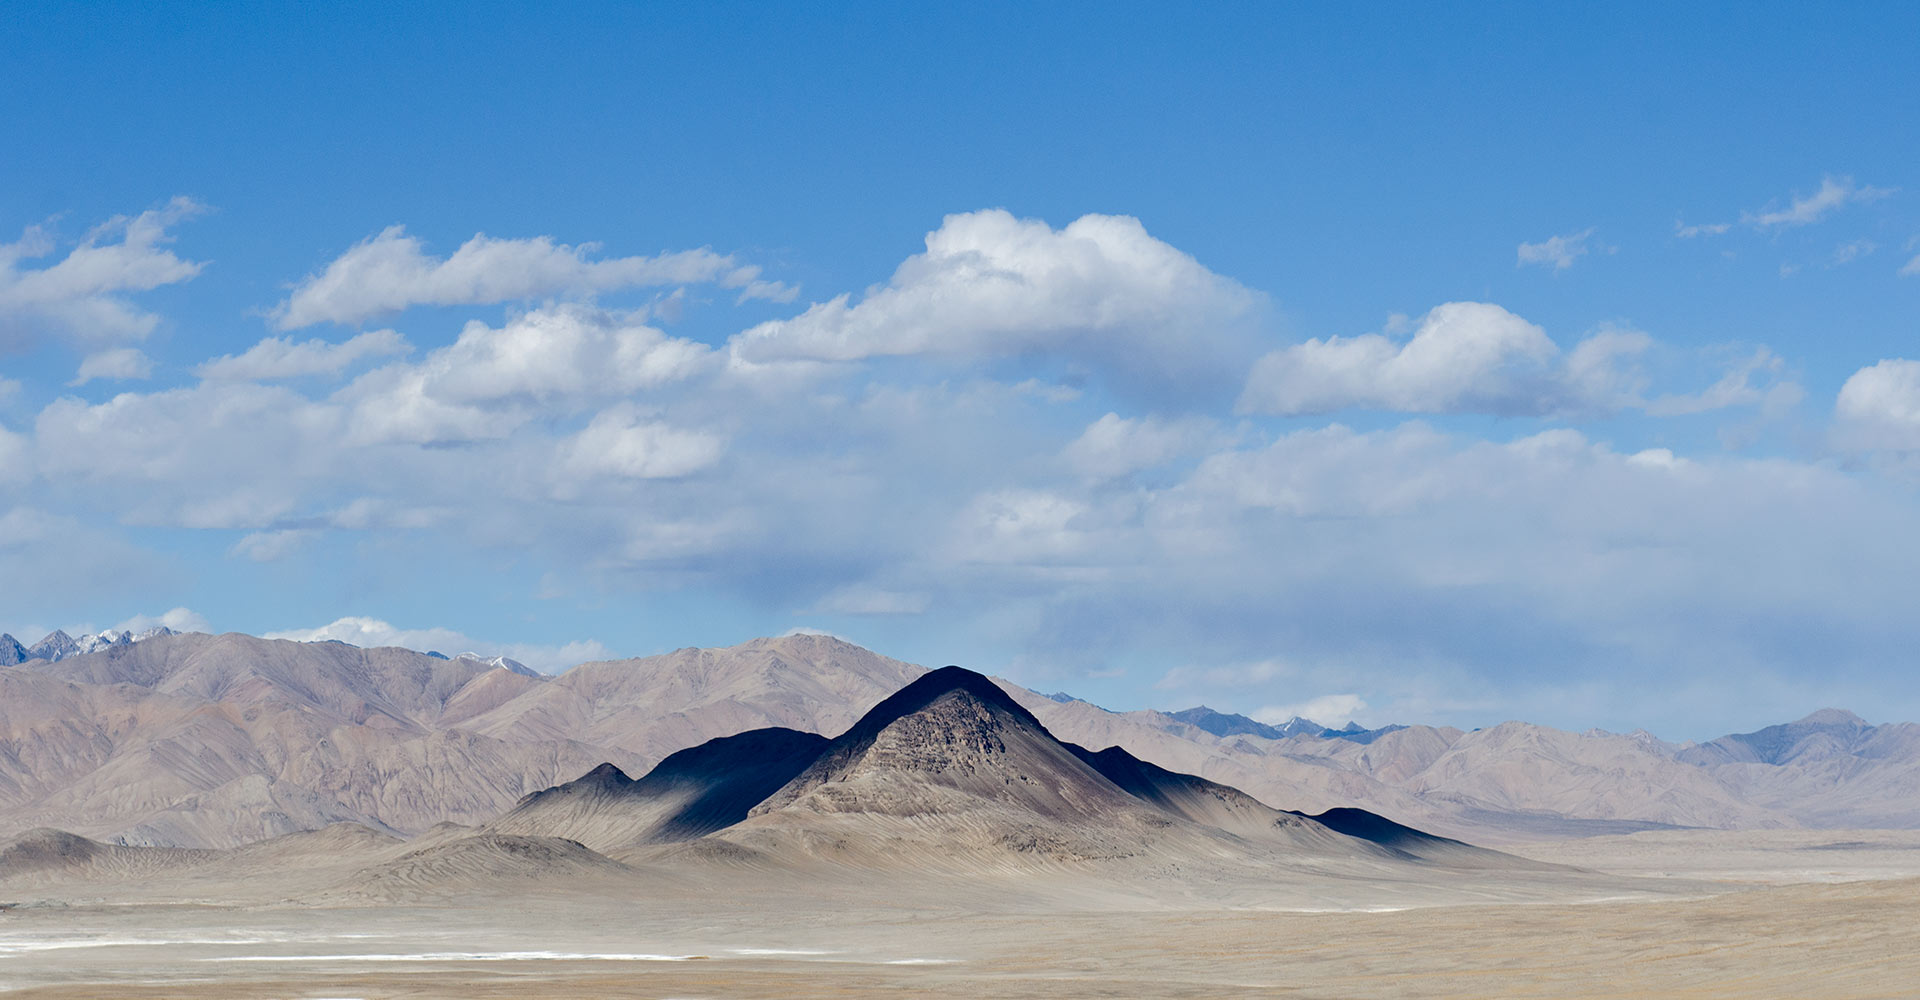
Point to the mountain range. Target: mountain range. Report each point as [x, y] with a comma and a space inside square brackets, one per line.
[58, 645]
[193, 740]
[947, 780]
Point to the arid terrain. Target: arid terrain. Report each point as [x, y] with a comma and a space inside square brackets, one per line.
[946, 843]
[741, 934]
[197, 740]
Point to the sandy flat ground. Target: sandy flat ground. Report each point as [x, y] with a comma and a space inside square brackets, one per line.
[1748, 915]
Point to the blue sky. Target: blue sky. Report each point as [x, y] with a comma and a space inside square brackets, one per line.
[1414, 364]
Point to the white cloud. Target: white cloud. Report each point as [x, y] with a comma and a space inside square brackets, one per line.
[118, 363]
[1333, 710]
[1030, 517]
[492, 380]
[372, 632]
[1910, 268]
[178, 619]
[392, 271]
[280, 357]
[619, 442]
[1879, 406]
[1100, 292]
[752, 286]
[1474, 357]
[1115, 446]
[1557, 252]
[1834, 193]
[1465, 356]
[84, 294]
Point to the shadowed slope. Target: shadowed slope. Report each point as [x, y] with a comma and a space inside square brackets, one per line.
[690, 794]
[1208, 803]
[1377, 829]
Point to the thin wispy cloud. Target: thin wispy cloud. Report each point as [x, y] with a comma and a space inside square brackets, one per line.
[393, 271]
[1833, 194]
[1687, 232]
[1556, 252]
[1850, 251]
[281, 357]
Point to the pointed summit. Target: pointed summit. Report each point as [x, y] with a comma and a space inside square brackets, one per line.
[11, 652]
[931, 687]
[1832, 717]
[954, 750]
[58, 645]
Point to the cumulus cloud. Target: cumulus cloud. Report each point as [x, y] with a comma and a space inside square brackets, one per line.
[620, 442]
[1101, 292]
[1834, 193]
[372, 632]
[119, 363]
[392, 271]
[1879, 406]
[84, 295]
[1556, 252]
[280, 357]
[1476, 357]
[492, 380]
[1463, 357]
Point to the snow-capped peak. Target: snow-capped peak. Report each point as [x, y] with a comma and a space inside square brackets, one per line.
[501, 662]
[58, 645]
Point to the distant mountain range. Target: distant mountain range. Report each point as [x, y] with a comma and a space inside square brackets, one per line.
[948, 784]
[1225, 724]
[210, 741]
[59, 645]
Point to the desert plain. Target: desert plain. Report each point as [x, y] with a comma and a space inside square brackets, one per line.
[1709, 914]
